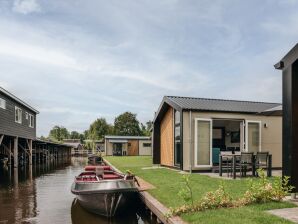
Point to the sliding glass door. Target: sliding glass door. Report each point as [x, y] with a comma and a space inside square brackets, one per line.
[203, 142]
[253, 136]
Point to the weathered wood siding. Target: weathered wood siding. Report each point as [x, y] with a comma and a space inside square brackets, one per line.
[133, 148]
[8, 126]
[167, 139]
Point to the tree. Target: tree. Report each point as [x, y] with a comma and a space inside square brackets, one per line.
[127, 124]
[82, 138]
[58, 133]
[98, 129]
[74, 135]
[146, 128]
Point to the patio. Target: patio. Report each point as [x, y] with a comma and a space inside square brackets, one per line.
[275, 173]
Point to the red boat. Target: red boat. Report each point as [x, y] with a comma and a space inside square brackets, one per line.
[103, 191]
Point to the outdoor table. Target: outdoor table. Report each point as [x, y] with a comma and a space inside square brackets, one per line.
[234, 159]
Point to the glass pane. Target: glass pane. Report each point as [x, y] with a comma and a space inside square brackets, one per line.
[203, 144]
[177, 155]
[177, 117]
[253, 141]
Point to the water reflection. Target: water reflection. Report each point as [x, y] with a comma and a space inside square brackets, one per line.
[80, 215]
[41, 194]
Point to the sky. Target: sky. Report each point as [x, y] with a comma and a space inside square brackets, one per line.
[78, 60]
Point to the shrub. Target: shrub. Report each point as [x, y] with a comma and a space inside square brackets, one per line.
[261, 190]
[186, 191]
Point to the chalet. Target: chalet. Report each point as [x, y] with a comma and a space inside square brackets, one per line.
[17, 125]
[189, 131]
[128, 145]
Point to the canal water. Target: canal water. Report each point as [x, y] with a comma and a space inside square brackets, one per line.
[41, 194]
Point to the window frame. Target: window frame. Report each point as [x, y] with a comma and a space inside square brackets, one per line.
[147, 144]
[18, 111]
[31, 124]
[2, 103]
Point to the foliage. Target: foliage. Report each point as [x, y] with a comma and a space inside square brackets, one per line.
[212, 200]
[264, 191]
[43, 138]
[126, 124]
[145, 128]
[74, 135]
[186, 191]
[98, 129]
[260, 191]
[58, 133]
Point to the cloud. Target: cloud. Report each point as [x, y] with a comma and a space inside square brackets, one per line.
[26, 6]
[82, 60]
[41, 54]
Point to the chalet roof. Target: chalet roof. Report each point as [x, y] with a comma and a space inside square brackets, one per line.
[275, 111]
[18, 100]
[73, 144]
[288, 59]
[127, 137]
[214, 105]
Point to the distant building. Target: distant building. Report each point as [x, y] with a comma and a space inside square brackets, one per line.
[76, 147]
[128, 145]
[97, 147]
[17, 126]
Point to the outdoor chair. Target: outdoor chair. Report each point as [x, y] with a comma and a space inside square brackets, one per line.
[226, 163]
[215, 155]
[245, 163]
[261, 161]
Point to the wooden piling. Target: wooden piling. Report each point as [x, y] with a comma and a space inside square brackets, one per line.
[15, 152]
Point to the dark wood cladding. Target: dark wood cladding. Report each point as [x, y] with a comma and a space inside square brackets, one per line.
[294, 147]
[8, 126]
[289, 65]
[156, 142]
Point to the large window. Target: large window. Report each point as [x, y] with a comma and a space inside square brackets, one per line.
[18, 115]
[2, 103]
[177, 133]
[253, 136]
[31, 121]
[203, 142]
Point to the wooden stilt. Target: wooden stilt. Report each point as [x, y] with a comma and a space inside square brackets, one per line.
[9, 152]
[1, 139]
[15, 152]
[30, 151]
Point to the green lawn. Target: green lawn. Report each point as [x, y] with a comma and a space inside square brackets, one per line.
[169, 182]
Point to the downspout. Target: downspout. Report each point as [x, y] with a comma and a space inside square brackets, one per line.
[190, 145]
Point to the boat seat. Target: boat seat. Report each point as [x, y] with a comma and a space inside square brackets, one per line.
[93, 168]
[99, 171]
[111, 176]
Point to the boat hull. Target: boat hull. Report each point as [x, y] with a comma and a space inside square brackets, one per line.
[107, 204]
[106, 198]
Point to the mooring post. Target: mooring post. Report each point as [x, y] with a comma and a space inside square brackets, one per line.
[15, 152]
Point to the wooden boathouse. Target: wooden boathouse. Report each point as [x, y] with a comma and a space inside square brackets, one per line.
[18, 143]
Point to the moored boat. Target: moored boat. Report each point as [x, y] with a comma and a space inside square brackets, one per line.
[95, 159]
[103, 191]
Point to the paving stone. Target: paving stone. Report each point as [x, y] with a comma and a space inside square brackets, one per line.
[286, 213]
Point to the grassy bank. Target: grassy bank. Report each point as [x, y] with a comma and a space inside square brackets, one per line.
[169, 182]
